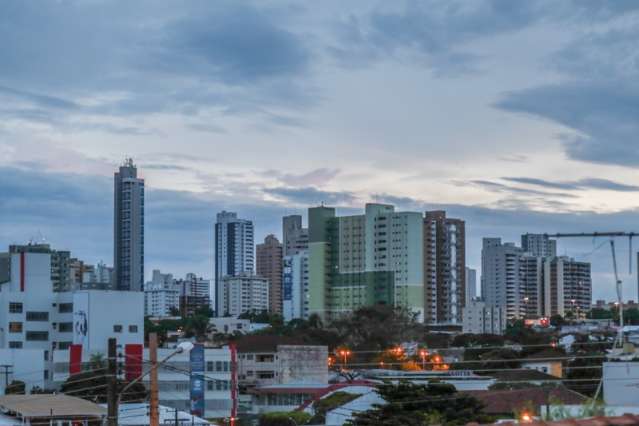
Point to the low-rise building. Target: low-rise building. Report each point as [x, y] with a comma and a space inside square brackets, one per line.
[269, 360]
[231, 325]
[481, 319]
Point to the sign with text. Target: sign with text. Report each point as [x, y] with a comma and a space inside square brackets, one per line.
[197, 380]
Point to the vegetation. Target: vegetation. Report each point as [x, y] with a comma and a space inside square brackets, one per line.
[16, 387]
[415, 405]
[292, 418]
[324, 405]
[630, 315]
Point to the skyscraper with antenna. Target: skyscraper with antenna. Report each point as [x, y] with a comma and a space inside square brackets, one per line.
[128, 228]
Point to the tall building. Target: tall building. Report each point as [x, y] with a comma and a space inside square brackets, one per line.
[444, 268]
[471, 284]
[268, 256]
[539, 245]
[194, 294]
[294, 236]
[529, 286]
[128, 227]
[244, 293]
[234, 247]
[363, 260]
[295, 286]
[567, 287]
[500, 284]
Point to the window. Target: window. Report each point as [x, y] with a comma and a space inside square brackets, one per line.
[37, 316]
[37, 335]
[15, 345]
[65, 308]
[15, 327]
[46, 355]
[218, 365]
[117, 328]
[65, 327]
[133, 329]
[64, 345]
[210, 366]
[46, 374]
[15, 308]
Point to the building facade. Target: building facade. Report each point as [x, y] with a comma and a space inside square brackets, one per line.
[194, 294]
[244, 293]
[128, 228]
[531, 286]
[295, 286]
[61, 272]
[363, 260]
[444, 268]
[482, 319]
[539, 245]
[269, 265]
[234, 252]
[294, 236]
[161, 295]
[471, 284]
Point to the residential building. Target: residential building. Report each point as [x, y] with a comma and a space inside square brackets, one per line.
[99, 274]
[471, 284]
[531, 286]
[128, 228]
[500, 284]
[269, 265]
[161, 295]
[61, 279]
[363, 260]
[34, 317]
[244, 293]
[233, 325]
[567, 287]
[295, 286]
[444, 268]
[539, 245]
[478, 318]
[234, 243]
[294, 236]
[194, 294]
[272, 360]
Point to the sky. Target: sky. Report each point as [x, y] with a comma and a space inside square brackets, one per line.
[514, 116]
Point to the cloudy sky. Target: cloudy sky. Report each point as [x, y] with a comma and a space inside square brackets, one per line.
[514, 115]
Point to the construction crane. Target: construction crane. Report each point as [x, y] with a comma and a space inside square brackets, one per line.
[618, 283]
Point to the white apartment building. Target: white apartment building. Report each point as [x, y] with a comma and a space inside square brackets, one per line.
[478, 318]
[244, 293]
[35, 318]
[234, 252]
[471, 284]
[161, 294]
[295, 282]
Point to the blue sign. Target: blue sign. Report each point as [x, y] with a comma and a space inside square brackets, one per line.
[197, 380]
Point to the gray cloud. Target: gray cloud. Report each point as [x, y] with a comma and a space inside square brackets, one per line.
[500, 187]
[587, 183]
[311, 196]
[224, 54]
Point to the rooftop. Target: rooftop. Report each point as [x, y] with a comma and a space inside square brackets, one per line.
[50, 405]
[264, 343]
[625, 420]
[507, 401]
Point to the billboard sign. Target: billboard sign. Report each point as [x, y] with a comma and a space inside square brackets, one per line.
[197, 380]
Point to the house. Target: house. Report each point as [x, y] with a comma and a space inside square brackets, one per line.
[625, 420]
[508, 402]
[547, 361]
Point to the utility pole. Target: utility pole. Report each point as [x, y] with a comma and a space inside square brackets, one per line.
[6, 374]
[154, 418]
[112, 384]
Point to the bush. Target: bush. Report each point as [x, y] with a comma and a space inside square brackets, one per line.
[292, 418]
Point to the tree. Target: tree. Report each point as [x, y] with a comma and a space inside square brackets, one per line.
[557, 320]
[16, 387]
[408, 404]
[293, 418]
[92, 386]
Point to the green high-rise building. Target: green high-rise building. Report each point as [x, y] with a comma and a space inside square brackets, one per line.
[362, 260]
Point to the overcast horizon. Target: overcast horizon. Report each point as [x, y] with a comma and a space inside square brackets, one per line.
[514, 116]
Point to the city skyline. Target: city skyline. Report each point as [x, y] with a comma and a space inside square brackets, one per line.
[353, 103]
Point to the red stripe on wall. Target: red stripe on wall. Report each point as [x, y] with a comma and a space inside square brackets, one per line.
[133, 361]
[75, 359]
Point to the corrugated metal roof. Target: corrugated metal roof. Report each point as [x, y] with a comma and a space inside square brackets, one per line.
[45, 405]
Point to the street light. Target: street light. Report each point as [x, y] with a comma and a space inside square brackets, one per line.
[183, 347]
[423, 353]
